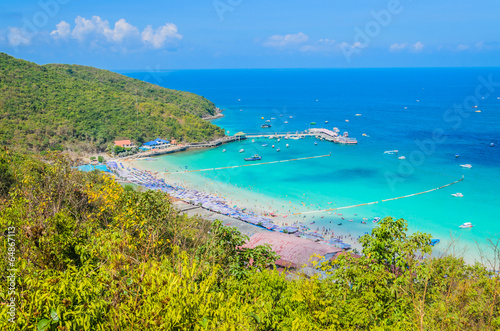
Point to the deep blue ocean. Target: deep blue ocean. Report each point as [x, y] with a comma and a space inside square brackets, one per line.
[429, 115]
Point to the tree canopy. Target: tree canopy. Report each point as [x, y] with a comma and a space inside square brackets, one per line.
[59, 106]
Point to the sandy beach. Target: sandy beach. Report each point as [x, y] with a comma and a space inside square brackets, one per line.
[245, 199]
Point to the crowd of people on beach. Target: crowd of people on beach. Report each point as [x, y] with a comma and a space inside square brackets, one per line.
[220, 205]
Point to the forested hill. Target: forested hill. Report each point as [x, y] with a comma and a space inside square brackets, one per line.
[56, 106]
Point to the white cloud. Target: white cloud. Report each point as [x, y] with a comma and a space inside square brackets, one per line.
[162, 35]
[121, 31]
[397, 47]
[84, 27]
[462, 47]
[99, 27]
[18, 37]
[62, 32]
[326, 41]
[286, 40]
[417, 47]
[96, 32]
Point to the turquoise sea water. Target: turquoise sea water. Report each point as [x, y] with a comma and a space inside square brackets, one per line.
[426, 114]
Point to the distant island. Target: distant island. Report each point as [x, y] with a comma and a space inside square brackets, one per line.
[84, 109]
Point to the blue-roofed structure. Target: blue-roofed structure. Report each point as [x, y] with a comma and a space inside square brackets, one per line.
[156, 144]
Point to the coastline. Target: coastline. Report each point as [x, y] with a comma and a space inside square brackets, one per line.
[246, 200]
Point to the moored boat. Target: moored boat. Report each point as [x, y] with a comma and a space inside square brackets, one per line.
[459, 195]
[256, 157]
[242, 150]
[376, 219]
[466, 166]
[466, 225]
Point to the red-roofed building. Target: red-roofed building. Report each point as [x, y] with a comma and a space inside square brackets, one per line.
[124, 143]
[295, 252]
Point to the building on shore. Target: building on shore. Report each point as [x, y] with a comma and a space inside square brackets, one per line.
[124, 143]
[156, 144]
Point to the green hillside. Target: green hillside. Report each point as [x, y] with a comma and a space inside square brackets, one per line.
[74, 107]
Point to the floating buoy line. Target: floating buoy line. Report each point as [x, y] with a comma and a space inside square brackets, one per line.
[385, 200]
[246, 165]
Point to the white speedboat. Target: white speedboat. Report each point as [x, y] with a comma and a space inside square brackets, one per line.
[287, 145]
[253, 140]
[264, 145]
[223, 151]
[365, 135]
[286, 122]
[278, 150]
[358, 114]
[326, 122]
[459, 195]
[391, 152]
[242, 150]
[279, 139]
[402, 157]
[466, 225]
[466, 166]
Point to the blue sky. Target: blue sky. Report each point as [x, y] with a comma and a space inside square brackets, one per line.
[193, 34]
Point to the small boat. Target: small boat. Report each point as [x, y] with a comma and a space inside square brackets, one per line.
[358, 114]
[401, 158]
[363, 222]
[434, 242]
[391, 152]
[223, 151]
[492, 145]
[286, 122]
[315, 143]
[279, 139]
[466, 166]
[376, 219]
[459, 195]
[253, 140]
[291, 116]
[272, 118]
[478, 111]
[326, 122]
[351, 220]
[474, 106]
[278, 150]
[336, 130]
[365, 135]
[347, 121]
[264, 145]
[273, 146]
[256, 157]
[242, 150]
[281, 115]
[457, 155]
[268, 121]
[287, 145]
[466, 225]
[313, 123]
[339, 224]
[265, 126]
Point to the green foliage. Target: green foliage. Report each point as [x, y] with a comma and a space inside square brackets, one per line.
[100, 159]
[55, 107]
[92, 255]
